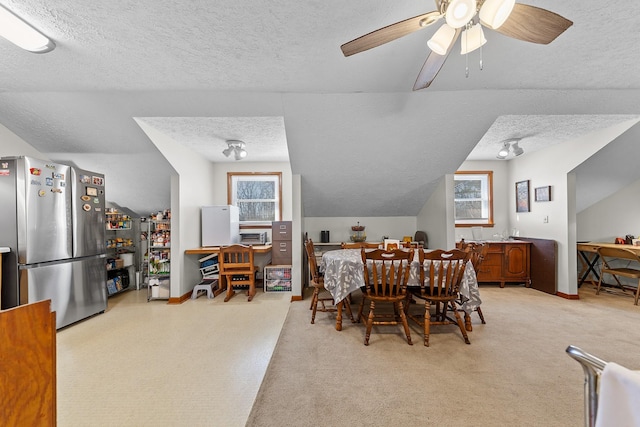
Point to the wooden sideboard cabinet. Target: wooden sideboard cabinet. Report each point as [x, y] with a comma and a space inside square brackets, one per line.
[507, 261]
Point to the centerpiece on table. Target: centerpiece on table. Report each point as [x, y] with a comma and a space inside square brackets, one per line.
[358, 234]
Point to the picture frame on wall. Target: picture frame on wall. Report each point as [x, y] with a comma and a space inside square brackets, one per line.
[543, 194]
[522, 196]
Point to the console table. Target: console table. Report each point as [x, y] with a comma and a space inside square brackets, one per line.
[506, 261]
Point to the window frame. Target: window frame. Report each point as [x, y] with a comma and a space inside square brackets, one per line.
[487, 178]
[233, 177]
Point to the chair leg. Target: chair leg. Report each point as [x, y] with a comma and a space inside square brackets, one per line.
[405, 324]
[467, 322]
[230, 291]
[461, 326]
[369, 323]
[479, 310]
[599, 284]
[637, 293]
[427, 322]
[314, 305]
[252, 291]
[347, 305]
[361, 309]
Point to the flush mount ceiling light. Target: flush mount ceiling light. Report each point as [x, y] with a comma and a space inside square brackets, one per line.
[22, 34]
[464, 18]
[504, 151]
[237, 148]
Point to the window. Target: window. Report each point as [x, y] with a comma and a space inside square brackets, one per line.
[258, 197]
[473, 199]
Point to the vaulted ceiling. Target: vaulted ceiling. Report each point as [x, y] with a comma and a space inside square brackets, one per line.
[272, 74]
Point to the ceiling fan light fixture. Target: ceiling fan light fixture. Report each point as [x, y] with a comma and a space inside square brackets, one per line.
[472, 39]
[494, 13]
[460, 12]
[441, 39]
[22, 34]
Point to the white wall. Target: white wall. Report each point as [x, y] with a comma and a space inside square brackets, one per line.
[395, 227]
[433, 217]
[11, 145]
[553, 166]
[192, 186]
[614, 216]
[297, 233]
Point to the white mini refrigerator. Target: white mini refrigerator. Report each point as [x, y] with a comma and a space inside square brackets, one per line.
[220, 225]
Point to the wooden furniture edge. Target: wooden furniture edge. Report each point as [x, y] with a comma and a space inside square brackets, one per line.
[260, 249]
[567, 296]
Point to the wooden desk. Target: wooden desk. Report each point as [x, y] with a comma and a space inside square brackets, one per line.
[588, 256]
[208, 250]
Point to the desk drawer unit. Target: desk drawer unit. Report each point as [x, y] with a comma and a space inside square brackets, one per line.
[281, 253]
[281, 236]
[281, 230]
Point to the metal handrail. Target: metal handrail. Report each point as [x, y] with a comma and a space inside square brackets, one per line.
[592, 367]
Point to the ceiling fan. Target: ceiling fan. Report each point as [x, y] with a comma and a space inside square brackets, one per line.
[466, 17]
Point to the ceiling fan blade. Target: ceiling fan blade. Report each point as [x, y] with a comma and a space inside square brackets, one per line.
[432, 65]
[533, 24]
[389, 33]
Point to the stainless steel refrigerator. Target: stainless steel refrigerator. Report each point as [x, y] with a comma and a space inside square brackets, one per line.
[53, 221]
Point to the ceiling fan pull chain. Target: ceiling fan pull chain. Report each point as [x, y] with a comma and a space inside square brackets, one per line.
[480, 58]
[466, 55]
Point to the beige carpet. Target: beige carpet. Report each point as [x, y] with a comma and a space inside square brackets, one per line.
[515, 372]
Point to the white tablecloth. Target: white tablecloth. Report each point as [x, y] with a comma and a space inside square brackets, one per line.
[344, 273]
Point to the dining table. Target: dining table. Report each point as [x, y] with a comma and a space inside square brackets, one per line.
[344, 273]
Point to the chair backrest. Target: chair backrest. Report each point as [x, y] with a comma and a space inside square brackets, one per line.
[313, 265]
[386, 273]
[236, 259]
[478, 252]
[445, 270]
[421, 237]
[359, 245]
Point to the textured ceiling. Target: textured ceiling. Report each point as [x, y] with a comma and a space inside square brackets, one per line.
[272, 74]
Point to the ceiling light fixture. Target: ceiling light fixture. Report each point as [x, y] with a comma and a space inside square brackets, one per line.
[459, 12]
[517, 150]
[22, 34]
[494, 13]
[504, 151]
[237, 148]
[441, 40]
[472, 39]
[506, 146]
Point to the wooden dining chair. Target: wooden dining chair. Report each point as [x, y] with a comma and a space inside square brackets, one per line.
[607, 255]
[478, 252]
[321, 296]
[386, 274]
[237, 268]
[443, 272]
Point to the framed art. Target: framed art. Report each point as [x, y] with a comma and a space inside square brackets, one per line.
[543, 194]
[522, 196]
